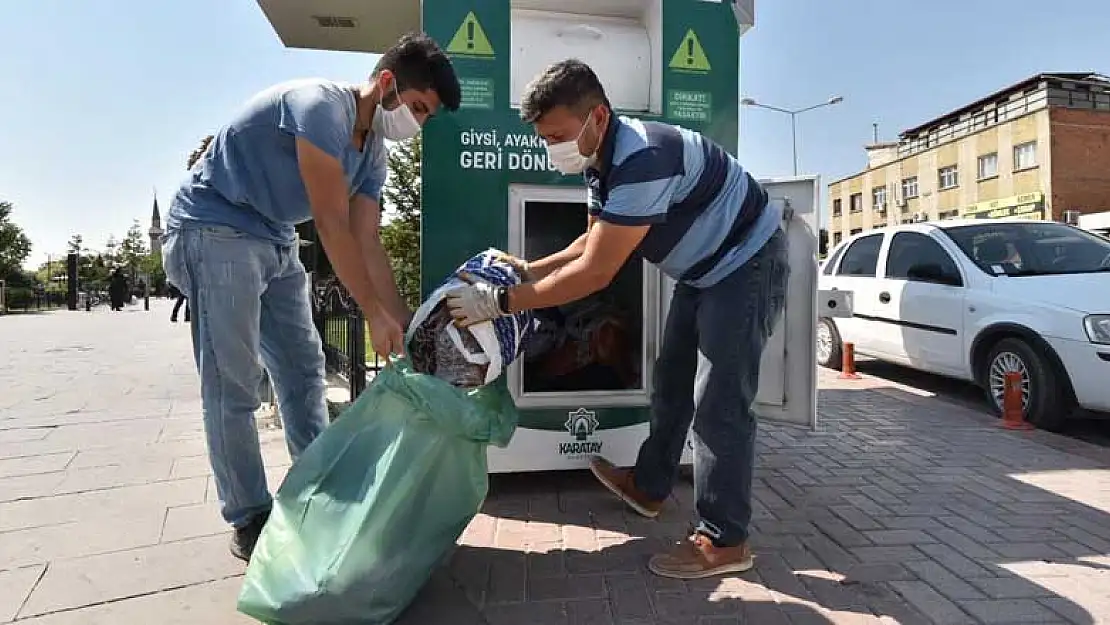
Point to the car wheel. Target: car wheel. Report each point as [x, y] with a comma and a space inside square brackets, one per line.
[829, 346]
[1044, 402]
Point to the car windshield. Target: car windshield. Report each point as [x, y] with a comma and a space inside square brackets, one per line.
[1032, 249]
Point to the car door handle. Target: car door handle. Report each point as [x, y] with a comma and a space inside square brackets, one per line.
[884, 297]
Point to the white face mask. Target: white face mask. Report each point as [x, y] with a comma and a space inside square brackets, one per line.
[398, 124]
[566, 156]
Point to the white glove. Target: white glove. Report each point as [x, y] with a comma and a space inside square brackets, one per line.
[474, 303]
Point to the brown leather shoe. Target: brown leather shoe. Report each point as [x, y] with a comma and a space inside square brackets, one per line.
[697, 557]
[620, 483]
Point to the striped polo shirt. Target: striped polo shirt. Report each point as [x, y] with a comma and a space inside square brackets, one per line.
[707, 215]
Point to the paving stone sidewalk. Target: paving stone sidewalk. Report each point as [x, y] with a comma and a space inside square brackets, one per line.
[900, 509]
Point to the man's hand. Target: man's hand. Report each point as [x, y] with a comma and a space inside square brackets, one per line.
[521, 266]
[473, 303]
[386, 336]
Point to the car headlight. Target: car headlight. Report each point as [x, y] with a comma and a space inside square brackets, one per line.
[1098, 328]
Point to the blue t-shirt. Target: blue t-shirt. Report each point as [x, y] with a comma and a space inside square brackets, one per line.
[708, 216]
[249, 179]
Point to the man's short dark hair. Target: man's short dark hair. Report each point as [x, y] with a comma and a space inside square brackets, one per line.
[419, 63]
[570, 83]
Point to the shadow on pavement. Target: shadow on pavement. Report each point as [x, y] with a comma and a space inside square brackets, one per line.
[492, 586]
[891, 508]
[1085, 425]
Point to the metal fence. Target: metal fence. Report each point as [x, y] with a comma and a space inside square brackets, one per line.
[337, 316]
[342, 330]
[24, 299]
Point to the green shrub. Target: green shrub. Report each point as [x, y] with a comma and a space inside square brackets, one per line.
[19, 298]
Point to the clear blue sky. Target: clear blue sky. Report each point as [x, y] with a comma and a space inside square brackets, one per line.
[104, 99]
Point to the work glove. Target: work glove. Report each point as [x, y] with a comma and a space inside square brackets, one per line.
[474, 302]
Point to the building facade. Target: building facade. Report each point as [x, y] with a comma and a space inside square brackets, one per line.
[1037, 149]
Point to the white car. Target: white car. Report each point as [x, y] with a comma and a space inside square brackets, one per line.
[976, 299]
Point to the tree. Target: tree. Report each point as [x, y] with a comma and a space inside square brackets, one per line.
[111, 253]
[76, 245]
[15, 246]
[133, 249]
[151, 265]
[401, 233]
[52, 274]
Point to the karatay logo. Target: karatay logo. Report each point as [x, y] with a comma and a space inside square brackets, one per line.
[581, 424]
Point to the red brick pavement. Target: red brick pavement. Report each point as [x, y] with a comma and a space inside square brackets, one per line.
[900, 509]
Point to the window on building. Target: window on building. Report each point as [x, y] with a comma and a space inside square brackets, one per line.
[909, 188]
[862, 257]
[1025, 156]
[948, 177]
[878, 198]
[855, 202]
[836, 207]
[952, 214]
[838, 237]
[855, 231]
[988, 166]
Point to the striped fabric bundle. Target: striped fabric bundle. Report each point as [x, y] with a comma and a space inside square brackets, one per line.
[502, 340]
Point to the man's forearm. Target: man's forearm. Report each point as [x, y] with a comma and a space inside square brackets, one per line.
[540, 269]
[343, 252]
[365, 226]
[573, 281]
[381, 275]
[328, 197]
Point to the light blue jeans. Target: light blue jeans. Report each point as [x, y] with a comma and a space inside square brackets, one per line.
[250, 299]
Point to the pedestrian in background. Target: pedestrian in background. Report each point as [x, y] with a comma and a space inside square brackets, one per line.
[117, 289]
[181, 300]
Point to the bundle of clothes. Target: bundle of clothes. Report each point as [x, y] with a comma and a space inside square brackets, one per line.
[584, 344]
[433, 350]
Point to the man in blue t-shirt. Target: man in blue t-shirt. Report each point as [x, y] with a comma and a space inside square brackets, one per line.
[308, 149]
[686, 205]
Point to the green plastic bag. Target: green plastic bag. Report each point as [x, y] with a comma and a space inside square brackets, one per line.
[373, 506]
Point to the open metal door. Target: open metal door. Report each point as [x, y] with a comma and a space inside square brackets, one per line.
[788, 374]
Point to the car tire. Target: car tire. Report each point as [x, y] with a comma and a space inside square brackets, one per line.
[830, 348]
[1047, 404]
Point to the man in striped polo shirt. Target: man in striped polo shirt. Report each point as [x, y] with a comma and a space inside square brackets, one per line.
[687, 206]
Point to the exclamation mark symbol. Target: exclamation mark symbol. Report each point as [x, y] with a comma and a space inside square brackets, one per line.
[469, 34]
[689, 50]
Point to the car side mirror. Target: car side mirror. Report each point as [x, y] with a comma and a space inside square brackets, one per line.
[932, 272]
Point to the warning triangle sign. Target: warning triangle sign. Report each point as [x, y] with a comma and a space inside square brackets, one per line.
[690, 56]
[470, 39]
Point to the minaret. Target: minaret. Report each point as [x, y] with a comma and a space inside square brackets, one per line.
[156, 231]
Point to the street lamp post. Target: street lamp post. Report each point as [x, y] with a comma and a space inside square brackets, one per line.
[793, 113]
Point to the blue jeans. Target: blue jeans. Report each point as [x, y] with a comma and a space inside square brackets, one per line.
[729, 323]
[251, 306]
